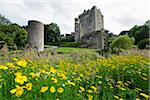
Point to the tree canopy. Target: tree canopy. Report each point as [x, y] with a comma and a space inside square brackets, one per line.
[51, 33]
[140, 33]
[4, 20]
[12, 34]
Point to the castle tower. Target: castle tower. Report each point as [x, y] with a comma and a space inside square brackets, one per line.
[77, 29]
[86, 26]
[36, 35]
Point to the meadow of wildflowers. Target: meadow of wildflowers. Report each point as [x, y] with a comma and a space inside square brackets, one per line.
[75, 77]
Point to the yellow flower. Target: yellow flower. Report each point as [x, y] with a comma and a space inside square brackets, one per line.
[53, 70]
[89, 91]
[52, 89]
[144, 95]
[10, 65]
[15, 59]
[3, 67]
[60, 90]
[54, 80]
[43, 71]
[120, 82]
[82, 88]
[90, 97]
[116, 97]
[44, 89]
[94, 88]
[22, 63]
[100, 82]
[71, 83]
[29, 86]
[18, 91]
[63, 76]
[18, 74]
[21, 79]
[81, 75]
[137, 99]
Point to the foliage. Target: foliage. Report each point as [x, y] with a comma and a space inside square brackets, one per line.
[13, 34]
[138, 32]
[122, 42]
[75, 77]
[51, 32]
[144, 43]
[67, 39]
[109, 38]
[4, 20]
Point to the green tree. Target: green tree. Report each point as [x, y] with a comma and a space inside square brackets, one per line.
[51, 33]
[20, 38]
[144, 44]
[4, 20]
[13, 34]
[122, 42]
[139, 33]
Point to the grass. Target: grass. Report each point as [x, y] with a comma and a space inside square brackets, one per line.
[69, 50]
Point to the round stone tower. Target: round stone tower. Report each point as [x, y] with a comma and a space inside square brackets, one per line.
[36, 35]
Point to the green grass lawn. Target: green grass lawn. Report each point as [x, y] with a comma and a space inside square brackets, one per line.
[68, 50]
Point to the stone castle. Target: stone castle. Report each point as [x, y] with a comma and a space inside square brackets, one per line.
[89, 28]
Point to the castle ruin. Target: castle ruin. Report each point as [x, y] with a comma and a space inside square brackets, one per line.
[89, 28]
[36, 35]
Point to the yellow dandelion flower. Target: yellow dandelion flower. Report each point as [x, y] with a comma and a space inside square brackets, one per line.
[82, 88]
[52, 89]
[137, 99]
[90, 97]
[15, 59]
[90, 91]
[10, 65]
[43, 71]
[22, 63]
[18, 91]
[3, 67]
[18, 74]
[60, 90]
[29, 86]
[53, 70]
[21, 79]
[54, 80]
[71, 83]
[94, 88]
[44, 89]
[116, 97]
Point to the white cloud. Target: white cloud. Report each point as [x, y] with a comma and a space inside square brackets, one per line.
[118, 14]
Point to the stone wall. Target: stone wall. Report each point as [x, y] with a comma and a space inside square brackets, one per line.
[87, 24]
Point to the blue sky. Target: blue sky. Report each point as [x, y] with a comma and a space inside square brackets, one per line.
[118, 14]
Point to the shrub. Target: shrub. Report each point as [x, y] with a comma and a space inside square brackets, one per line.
[143, 44]
[122, 42]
